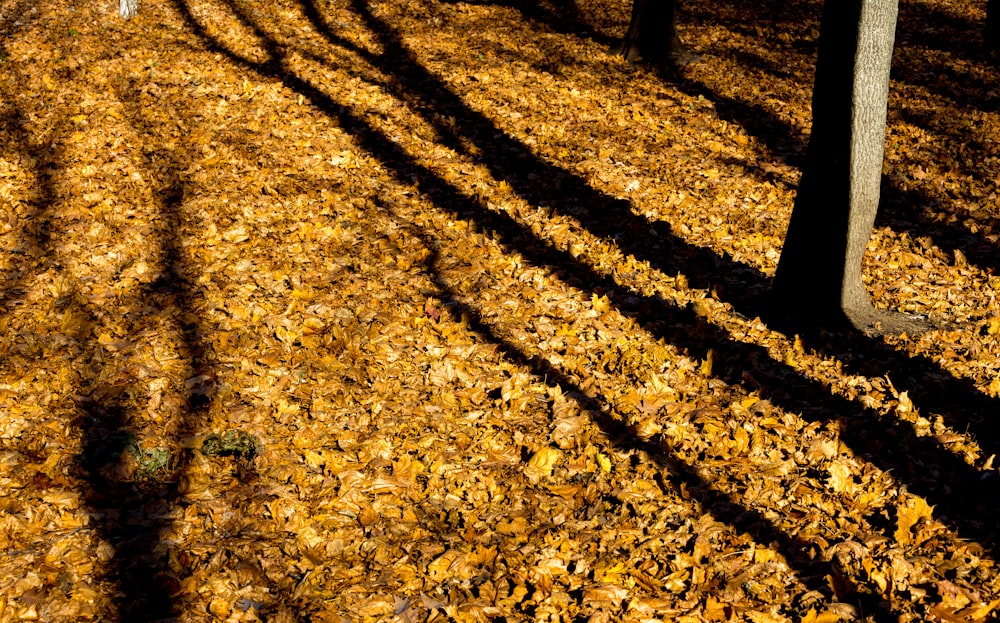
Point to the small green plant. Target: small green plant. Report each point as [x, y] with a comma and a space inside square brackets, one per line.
[151, 462]
[237, 443]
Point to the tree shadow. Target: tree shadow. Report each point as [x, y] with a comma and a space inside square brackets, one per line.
[559, 16]
[607, 217]
[132, 514]
[135, 514]
[739, 284]
[954, 487]
[35, 235]
[120, 510]
[801, 555]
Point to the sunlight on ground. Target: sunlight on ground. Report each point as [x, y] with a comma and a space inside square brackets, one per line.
[347, 311]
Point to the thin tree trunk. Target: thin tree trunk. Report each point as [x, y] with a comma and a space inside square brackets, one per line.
[128, 8]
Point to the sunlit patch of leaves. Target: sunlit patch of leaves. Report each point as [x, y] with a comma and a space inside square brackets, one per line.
[469, 304]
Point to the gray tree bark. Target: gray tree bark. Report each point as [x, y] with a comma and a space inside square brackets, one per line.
[128, 8]
[818, 280]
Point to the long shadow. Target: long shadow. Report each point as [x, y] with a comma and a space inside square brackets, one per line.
[36, 232]
[121, 510]
[963, 406]
[510, 160]
[132, 516]
[901, 208]
[560, 16]
[967, 504]
[810, 569]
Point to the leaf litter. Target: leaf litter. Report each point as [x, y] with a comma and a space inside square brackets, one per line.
[438, 311]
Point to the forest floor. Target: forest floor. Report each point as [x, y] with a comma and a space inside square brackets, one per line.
[431, 310]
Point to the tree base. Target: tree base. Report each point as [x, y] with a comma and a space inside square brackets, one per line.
[877, 322]
[676, 57]
[865, 319]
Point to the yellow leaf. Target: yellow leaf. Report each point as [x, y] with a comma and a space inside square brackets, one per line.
[540, 465]
[612, 573]
[406, 468]
[236, 234]
[909, 514]
[905, 404]
[368, 517]
[994, 388]
[840, 479]
[611, 593]
[565, 331]
[706, 365]
[312, 325]
[601, 304]
[716, 610]
[516, 526]
[980, 612]
[603, 461]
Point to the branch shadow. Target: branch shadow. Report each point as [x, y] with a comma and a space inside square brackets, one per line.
[34, 236]
[736, 283]
[120, 509]
[559, 16]
[133, 514]
[811, 570]
[965, 502]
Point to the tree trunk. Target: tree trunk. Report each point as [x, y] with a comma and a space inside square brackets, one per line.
[991, 34]
[818, 280]
[652, 35]
[128, 8]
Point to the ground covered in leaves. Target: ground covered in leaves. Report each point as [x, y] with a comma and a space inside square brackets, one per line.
[432, 310]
